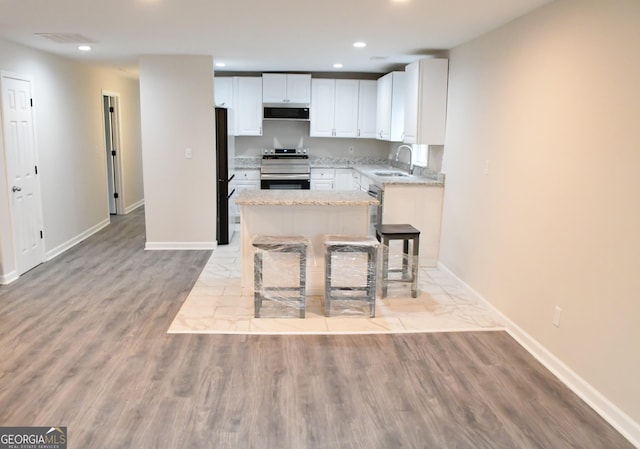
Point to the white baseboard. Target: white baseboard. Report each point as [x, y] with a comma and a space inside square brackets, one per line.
[9, 277]
[171, 246]
[134, 206]
[596, 400]
[75, 240]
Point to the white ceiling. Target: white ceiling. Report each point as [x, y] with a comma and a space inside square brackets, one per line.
[259, 35]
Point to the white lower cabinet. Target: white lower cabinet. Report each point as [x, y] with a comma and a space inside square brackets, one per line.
[344, 180]
[244, 180]
[365, 182]
[322, 178]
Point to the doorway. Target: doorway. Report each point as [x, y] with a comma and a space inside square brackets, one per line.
[111, 113]
[22, 180]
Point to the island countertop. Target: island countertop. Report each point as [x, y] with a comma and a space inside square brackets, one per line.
[305, 198]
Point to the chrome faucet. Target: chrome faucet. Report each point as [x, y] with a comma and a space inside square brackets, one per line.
[406, 147]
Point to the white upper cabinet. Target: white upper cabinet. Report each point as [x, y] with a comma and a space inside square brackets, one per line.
[223, 91]
[323, 92]
[425, 107]
[390, 110]
[286, 88]
[247, 96]
[367, 109]
[334, 108]
[274, 87]
[346, 108]
[299, 89]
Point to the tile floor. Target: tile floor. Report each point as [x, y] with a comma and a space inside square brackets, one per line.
[218, 305]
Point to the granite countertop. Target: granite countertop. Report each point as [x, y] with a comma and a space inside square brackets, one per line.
[366, 166]
[344, 162]
[370, 172]
[305, 198]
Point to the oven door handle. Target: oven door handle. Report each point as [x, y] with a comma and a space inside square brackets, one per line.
[284, 177]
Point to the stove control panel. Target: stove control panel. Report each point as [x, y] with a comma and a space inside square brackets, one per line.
[284, 151]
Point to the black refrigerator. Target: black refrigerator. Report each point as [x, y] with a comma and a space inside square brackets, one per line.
[224, 176]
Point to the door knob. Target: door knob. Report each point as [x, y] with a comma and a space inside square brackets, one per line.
[16, 189]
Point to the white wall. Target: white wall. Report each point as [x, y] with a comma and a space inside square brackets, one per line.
[70, 142]
[176, 98]
[552, 101]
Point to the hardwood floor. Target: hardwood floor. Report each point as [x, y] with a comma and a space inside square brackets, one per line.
[83, 344]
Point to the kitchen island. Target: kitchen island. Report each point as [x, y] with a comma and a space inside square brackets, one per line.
[310, 213]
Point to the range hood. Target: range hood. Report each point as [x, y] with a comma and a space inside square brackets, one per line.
[285, 111]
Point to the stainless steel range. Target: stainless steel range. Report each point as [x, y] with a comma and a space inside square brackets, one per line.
[285, 168]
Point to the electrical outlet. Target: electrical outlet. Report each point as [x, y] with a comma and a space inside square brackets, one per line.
[351, 150]
[188, 154]
[486, 167]
[556, 316]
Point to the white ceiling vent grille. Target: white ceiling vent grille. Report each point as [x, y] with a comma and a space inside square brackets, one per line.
[67, 38]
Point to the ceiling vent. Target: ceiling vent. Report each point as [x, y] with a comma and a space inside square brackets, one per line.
[378, 58]
[67, 38]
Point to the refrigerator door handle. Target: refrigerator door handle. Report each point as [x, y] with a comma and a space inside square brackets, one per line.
[231, 194]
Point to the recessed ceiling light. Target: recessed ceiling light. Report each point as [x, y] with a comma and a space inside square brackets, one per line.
[84, 48]
[337, 66]
[220, 64]
[359, 44]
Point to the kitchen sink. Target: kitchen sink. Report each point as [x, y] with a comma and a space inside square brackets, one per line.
[390, 173]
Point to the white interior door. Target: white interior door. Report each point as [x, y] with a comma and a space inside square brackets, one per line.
[111, 113]
[23, 183]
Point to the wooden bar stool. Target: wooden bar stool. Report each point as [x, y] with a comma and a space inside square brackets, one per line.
[350, 271]
[276, 244]
[386, 233]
